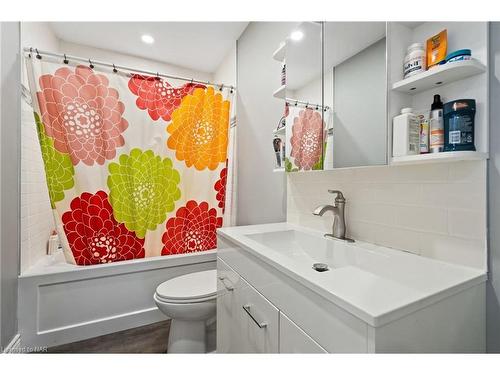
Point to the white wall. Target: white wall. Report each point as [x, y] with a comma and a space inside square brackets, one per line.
[9, 178]
[435, 210]
[493, 287]
[130, 61]
[260, 193]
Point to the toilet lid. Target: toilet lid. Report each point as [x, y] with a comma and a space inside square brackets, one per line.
[193, 286]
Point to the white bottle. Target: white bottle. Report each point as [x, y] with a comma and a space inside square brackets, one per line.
[414, 61]
[405, 133]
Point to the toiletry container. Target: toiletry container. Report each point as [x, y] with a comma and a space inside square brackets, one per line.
[459, 125]
[436, 143]
[414, 61]
[405, 133]
[424, 133]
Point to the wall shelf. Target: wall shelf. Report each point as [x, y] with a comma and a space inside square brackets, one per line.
[439, 76]
[279, 54]
[440, 157]
[280, 93]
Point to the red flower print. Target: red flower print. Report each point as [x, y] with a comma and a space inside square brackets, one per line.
[307, 138]
[192, 229]
[94, 235]
[158, 96]
[220, 188]
[82, 114]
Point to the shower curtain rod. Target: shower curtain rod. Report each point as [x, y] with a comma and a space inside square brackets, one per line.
[295, 102]
[66, 58]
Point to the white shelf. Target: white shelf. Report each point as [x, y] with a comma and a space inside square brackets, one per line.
[439, 76]
[440, 157]
[278, 170]
[279, 54]
[280, 93]
[280, 130]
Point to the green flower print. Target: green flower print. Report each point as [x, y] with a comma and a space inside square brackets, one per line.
[143, 189]
[58, 166]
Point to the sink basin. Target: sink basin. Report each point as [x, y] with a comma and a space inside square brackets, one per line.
[307, 248]
[373, 282]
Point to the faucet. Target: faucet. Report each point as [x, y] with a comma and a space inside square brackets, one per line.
[339, 228]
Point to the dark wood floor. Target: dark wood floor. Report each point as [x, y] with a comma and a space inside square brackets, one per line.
[147, 339]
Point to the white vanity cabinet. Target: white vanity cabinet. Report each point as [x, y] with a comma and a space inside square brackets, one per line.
[265, 304]
[294, 340]
[251, 322]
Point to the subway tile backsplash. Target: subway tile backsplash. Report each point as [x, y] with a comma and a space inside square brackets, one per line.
[434, 210]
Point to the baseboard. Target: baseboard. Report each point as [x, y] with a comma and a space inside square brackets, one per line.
[14, 345]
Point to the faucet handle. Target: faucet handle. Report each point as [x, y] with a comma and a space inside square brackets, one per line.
[340, 196]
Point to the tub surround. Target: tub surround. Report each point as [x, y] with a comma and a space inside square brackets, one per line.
[434, 210]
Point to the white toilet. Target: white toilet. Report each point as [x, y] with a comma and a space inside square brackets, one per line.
[190, 301]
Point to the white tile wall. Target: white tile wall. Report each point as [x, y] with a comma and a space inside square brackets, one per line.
[37, 221]
[435, 210]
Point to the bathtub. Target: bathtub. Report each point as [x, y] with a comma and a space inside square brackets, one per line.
[61, 303]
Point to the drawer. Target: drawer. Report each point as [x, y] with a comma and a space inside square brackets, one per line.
[246, 321]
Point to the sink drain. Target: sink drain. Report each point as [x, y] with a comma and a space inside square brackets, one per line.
[320, 267]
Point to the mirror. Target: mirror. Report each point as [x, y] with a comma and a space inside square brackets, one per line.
[304, 98]
[355, 89]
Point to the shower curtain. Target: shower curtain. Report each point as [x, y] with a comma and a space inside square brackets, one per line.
[306, 138]
[136, 165]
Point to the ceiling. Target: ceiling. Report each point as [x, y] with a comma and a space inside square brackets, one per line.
[199, 46]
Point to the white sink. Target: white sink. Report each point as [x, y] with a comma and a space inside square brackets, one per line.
[375, 283]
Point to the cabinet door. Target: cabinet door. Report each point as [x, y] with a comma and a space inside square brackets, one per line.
[246, 321]
[295, 340]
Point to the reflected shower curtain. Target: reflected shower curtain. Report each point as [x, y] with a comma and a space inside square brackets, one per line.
[136, 165]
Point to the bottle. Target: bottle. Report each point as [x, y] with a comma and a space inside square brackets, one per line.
[424, 133]
[436, 143]
[415, 61]
[405, 133]
[459, 125]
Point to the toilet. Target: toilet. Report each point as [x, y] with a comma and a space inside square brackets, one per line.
[190, 301]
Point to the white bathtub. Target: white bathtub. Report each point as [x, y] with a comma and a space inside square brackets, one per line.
[61, 303]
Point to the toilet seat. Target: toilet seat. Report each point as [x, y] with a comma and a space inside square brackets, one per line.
[191, 288]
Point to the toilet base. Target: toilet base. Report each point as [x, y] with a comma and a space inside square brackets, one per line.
[187, 336]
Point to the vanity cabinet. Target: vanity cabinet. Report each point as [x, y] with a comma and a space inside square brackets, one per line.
[251, 322]
[285, 316]
[294, 340]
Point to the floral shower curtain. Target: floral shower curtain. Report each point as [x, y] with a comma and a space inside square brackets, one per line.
[136, 165]
[305, 139]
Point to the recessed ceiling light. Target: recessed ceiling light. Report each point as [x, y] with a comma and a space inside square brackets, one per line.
[148, 39]
[296, 35]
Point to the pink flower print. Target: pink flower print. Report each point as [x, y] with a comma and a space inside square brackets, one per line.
[82, 114]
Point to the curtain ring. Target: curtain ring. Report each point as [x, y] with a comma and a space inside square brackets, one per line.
[158, 76]
[317, 107]
[232, 89]
[91, 65]
[296, 102]
[37, 54]
[221, 87]
[307, 105]
[192, 79]
[66, 61]
[31, 51]
[114, 69]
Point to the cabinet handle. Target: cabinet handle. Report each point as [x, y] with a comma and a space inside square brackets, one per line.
[223, 281]
[247, 310]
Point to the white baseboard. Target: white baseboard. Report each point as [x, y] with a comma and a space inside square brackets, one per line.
[14, 345]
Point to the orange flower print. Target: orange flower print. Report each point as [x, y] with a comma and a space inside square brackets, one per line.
[199, 129]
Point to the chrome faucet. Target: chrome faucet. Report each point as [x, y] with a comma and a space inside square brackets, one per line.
[338, 209]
